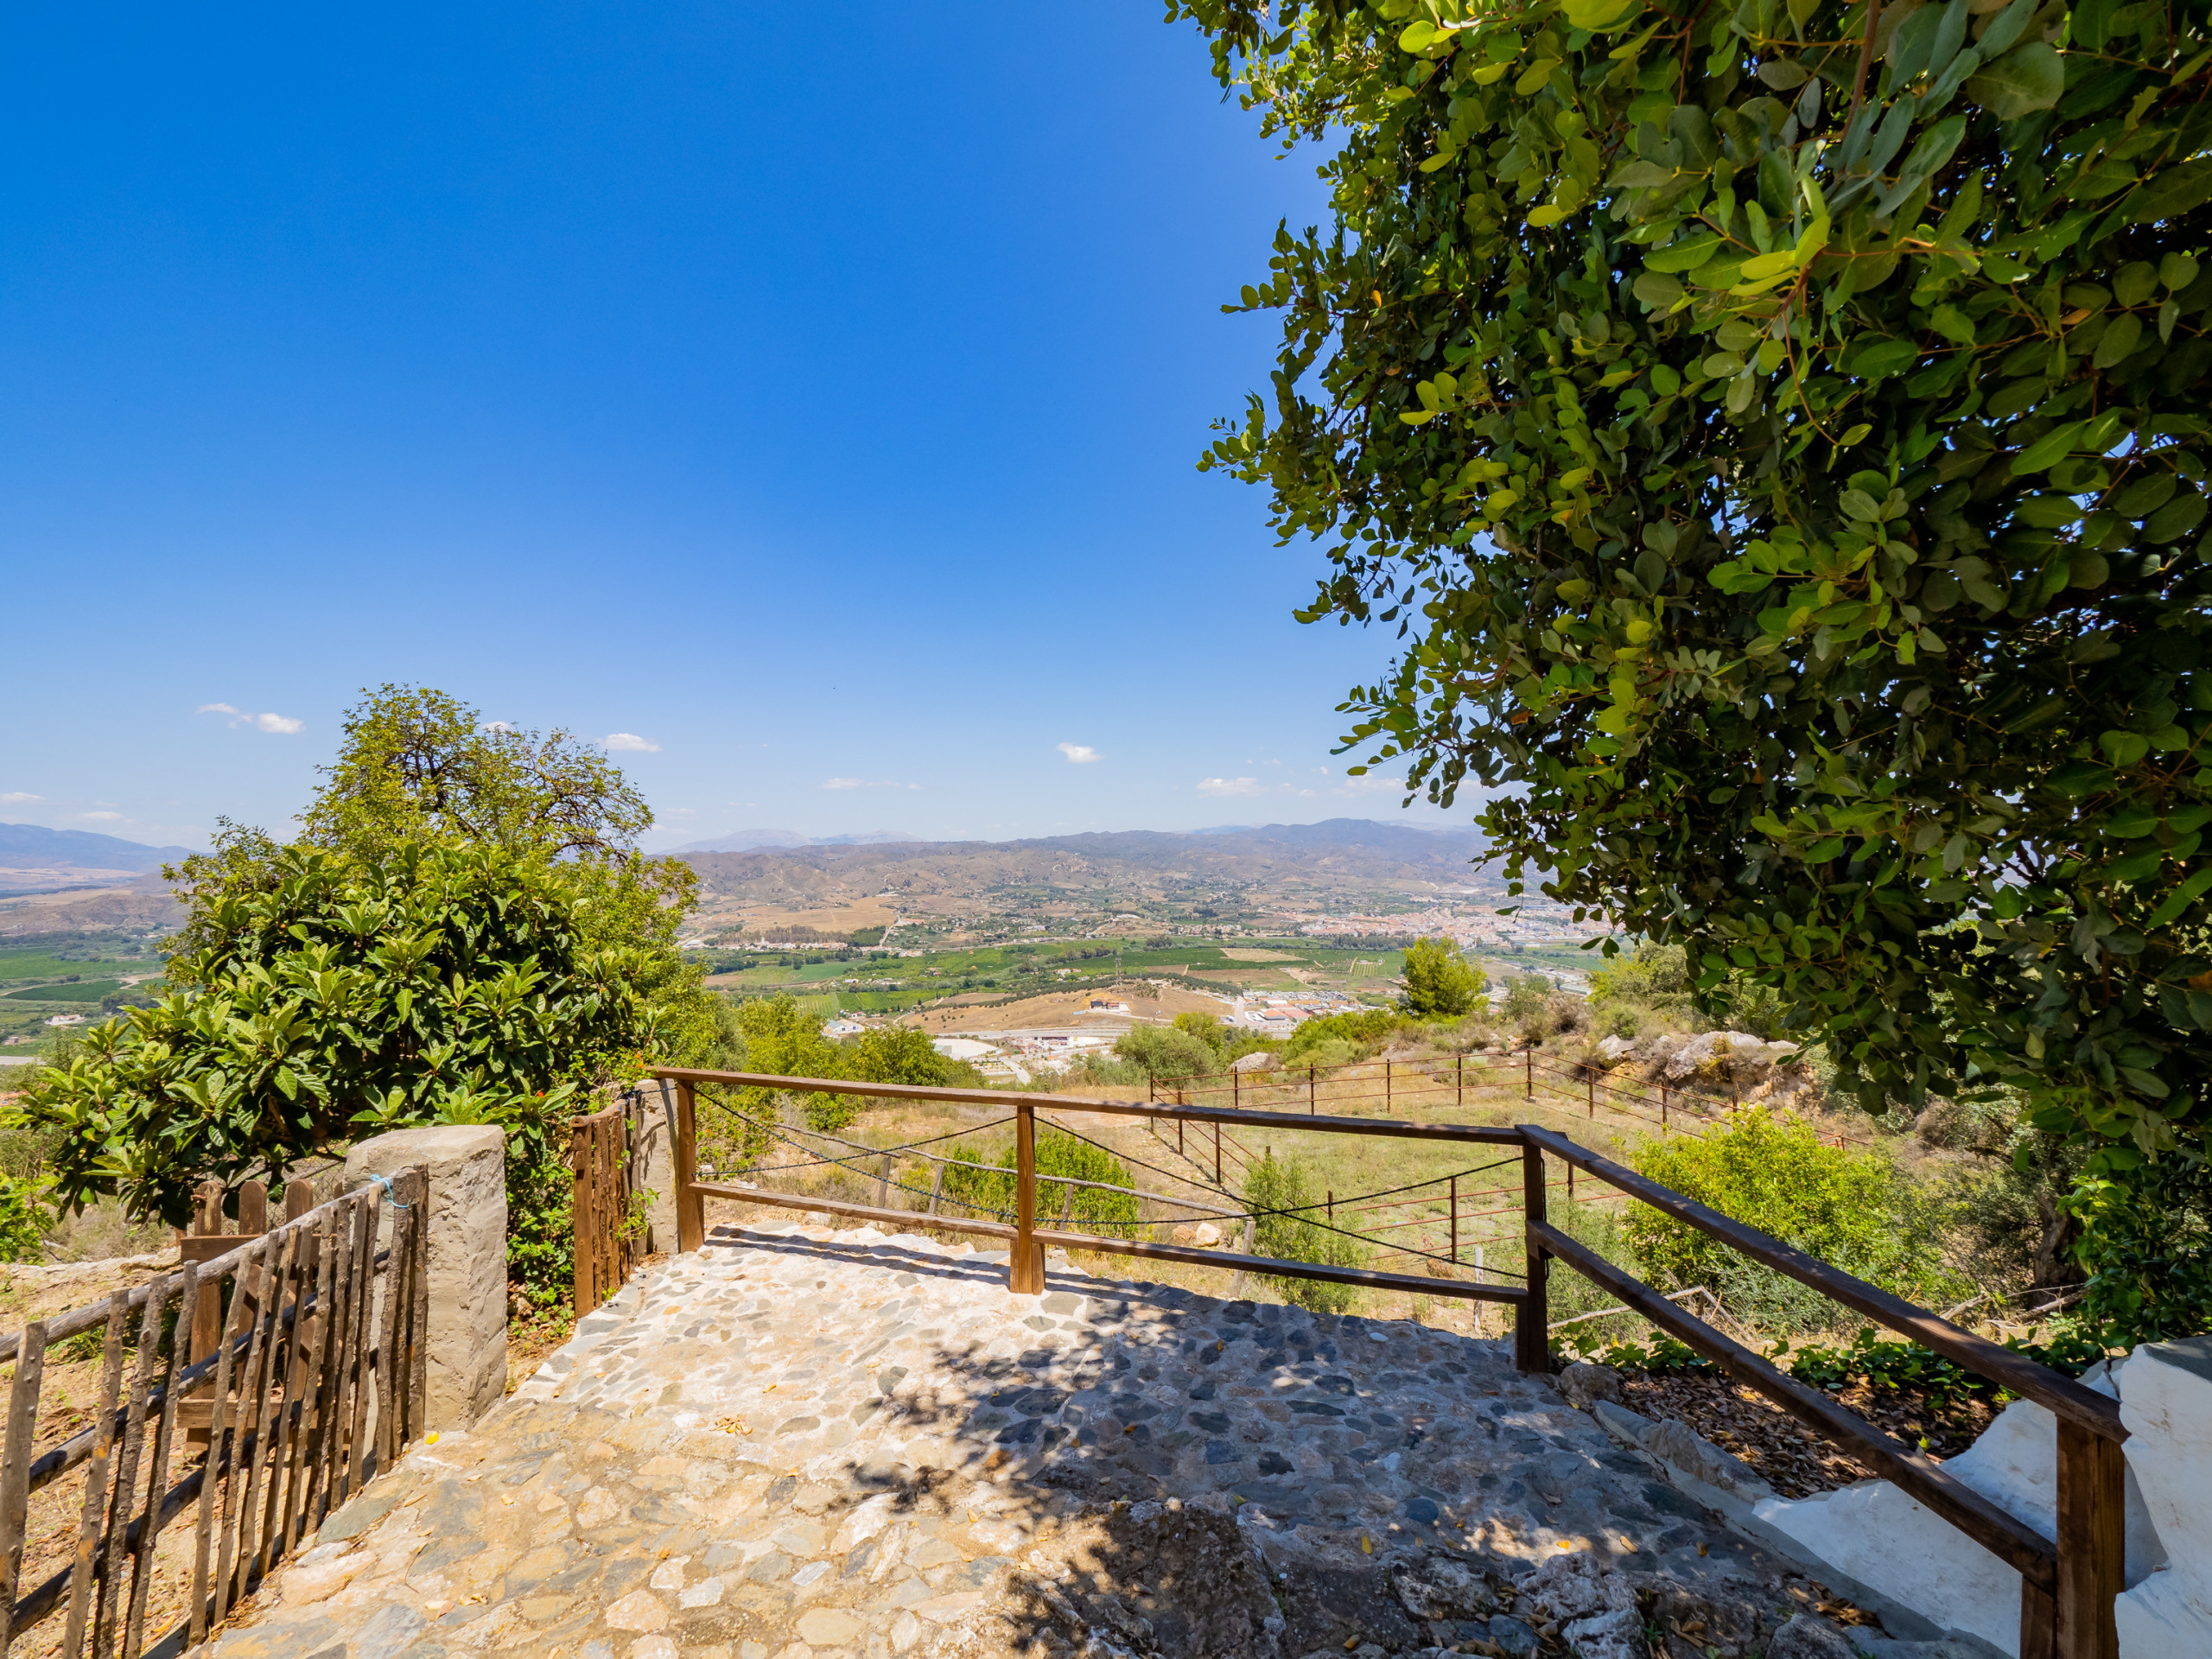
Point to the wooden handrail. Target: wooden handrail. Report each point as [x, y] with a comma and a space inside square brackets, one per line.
[2061, 1395]
[2011, 1541]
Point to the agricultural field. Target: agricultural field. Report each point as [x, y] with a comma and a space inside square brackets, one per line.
[68, 990]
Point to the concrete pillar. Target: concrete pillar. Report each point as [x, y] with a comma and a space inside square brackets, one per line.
[468, 1265]
[660, 1163]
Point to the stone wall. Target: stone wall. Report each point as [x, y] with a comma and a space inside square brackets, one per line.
[467, 1266]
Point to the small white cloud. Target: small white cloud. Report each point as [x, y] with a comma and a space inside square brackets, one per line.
[1371, 784]
[631, 740]
[1231, 786]
[17, 797]
[103, 817]
[1081, 754]
[495, 726]
[281, 725]
[846, 783]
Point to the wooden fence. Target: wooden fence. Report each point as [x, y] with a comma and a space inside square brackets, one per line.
[606, 1153]
[2067, 1585]
[310, 1379]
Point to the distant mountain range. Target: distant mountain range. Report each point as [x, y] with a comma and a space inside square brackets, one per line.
[749, 840]
[30, 845]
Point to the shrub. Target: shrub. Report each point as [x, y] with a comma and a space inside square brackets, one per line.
[1369, 1026]
[1166, 1053]
[1278, 1190]
[1656, 975]
[1527, 1005]
[1440, 982]
[992, 1186]
[2147, 1244]
[1773, 1172]
[1206, 1027]
[26, 1217]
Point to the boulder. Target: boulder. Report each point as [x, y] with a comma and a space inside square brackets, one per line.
[1261, 1060]
[1593, 1605]
[1613, 1049]
[1585, 1385]
[1442, 1586]
[1808, 1636]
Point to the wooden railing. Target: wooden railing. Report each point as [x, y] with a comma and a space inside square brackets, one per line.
[2067, 1586]
[309, 1383]
[607, 1152]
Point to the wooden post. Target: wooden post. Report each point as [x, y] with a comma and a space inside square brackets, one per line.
[1459, 1081]
[1662, 1109]
[1216, 1154]
[1592, 1080]
[936, 1186]
[691, 1208]
[1312, 1094]
[1235, 1089]
[1570, 1183]
[1332, 1207]
[1386, 1088]
[1531, 1342]
[580, 1222]
[1179, 1153]
[1024, 1265]
[2092, 1543]
[1455, 1219]
[15, 1467]
[883, 1182]
[1529, 1056]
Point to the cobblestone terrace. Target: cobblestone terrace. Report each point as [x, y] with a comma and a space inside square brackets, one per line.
[802, 1444]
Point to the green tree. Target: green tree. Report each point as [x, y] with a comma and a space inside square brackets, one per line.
[969, 1179]
[1440, 984]
[897, 1054]
[786, 1040]
[437, 985]
[1206, 1027]
[1787, 471]
[1165, 1054]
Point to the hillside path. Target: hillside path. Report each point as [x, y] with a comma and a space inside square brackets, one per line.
[801, 1444]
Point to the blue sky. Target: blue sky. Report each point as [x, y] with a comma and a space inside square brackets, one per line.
[814, 400]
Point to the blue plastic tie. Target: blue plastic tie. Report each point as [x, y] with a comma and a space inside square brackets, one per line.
[385, 1182]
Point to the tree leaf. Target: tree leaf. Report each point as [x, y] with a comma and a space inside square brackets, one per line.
[2027, 79]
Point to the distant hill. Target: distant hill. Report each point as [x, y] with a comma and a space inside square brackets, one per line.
[27, 845]
[748, 841]
[1322, 864]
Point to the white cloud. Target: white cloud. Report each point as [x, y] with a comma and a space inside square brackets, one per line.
[1081, 754]
[846, 783]
[283, 725]
[103, 817]
[631, 740]
[1371, 784]
[865, 783]
[18, 797]
[1231, 786]
[495, 726]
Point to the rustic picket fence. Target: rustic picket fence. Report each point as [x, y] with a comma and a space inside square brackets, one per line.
[606, 1153]
[270, 1374]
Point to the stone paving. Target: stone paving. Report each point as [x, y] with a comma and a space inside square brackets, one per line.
[802, 1444]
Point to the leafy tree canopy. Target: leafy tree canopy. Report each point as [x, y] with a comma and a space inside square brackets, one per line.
[1440, 984]
[1776, 430]
[438, 985]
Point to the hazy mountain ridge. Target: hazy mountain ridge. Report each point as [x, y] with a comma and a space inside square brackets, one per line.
[28, 846]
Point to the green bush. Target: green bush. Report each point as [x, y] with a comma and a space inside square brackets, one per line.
[1889, 1363]
[1527, 1005]
[1847, 1207]
[1440, 984]
[2147, 1244]
[1277, 1184]
[1167, 1054]
[1369, 1026]
[1206, 1027]
[26, 1217]
[1656, 975]
[991, 1186]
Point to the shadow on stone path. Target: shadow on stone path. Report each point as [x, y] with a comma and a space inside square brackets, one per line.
[802, 1444]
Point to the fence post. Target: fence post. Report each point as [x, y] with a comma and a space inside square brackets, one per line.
[1455, 1219]
[1386, 1088]
[582, 1228]
[1529, 1055]
[691, 1208]
[1312, 1098]
[1459, 1081]
[1216, 1154]
[1662, 1109]
[1531, 1342]
[1236, 1089]
[936, 1186]
[1024, 1265]
[2092, 1544]
[1592, 1080]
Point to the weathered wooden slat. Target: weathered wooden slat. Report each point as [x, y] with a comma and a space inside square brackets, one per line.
[388, 1329]
[2011, 1541]
[86, 1556]
[284, 1381]
[157, 1477]
[220, 1446]
[315, 1387]
[331, 1409]
[243, 1492]
[2067, 1398]
[16, 1468]
[418, 1310]
[357, 1452]
[106, 1626]
[2092, 1543]
[213, 1593]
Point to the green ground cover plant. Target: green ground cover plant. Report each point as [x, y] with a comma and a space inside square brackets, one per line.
[1281, 1193]
[1062, 1160]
